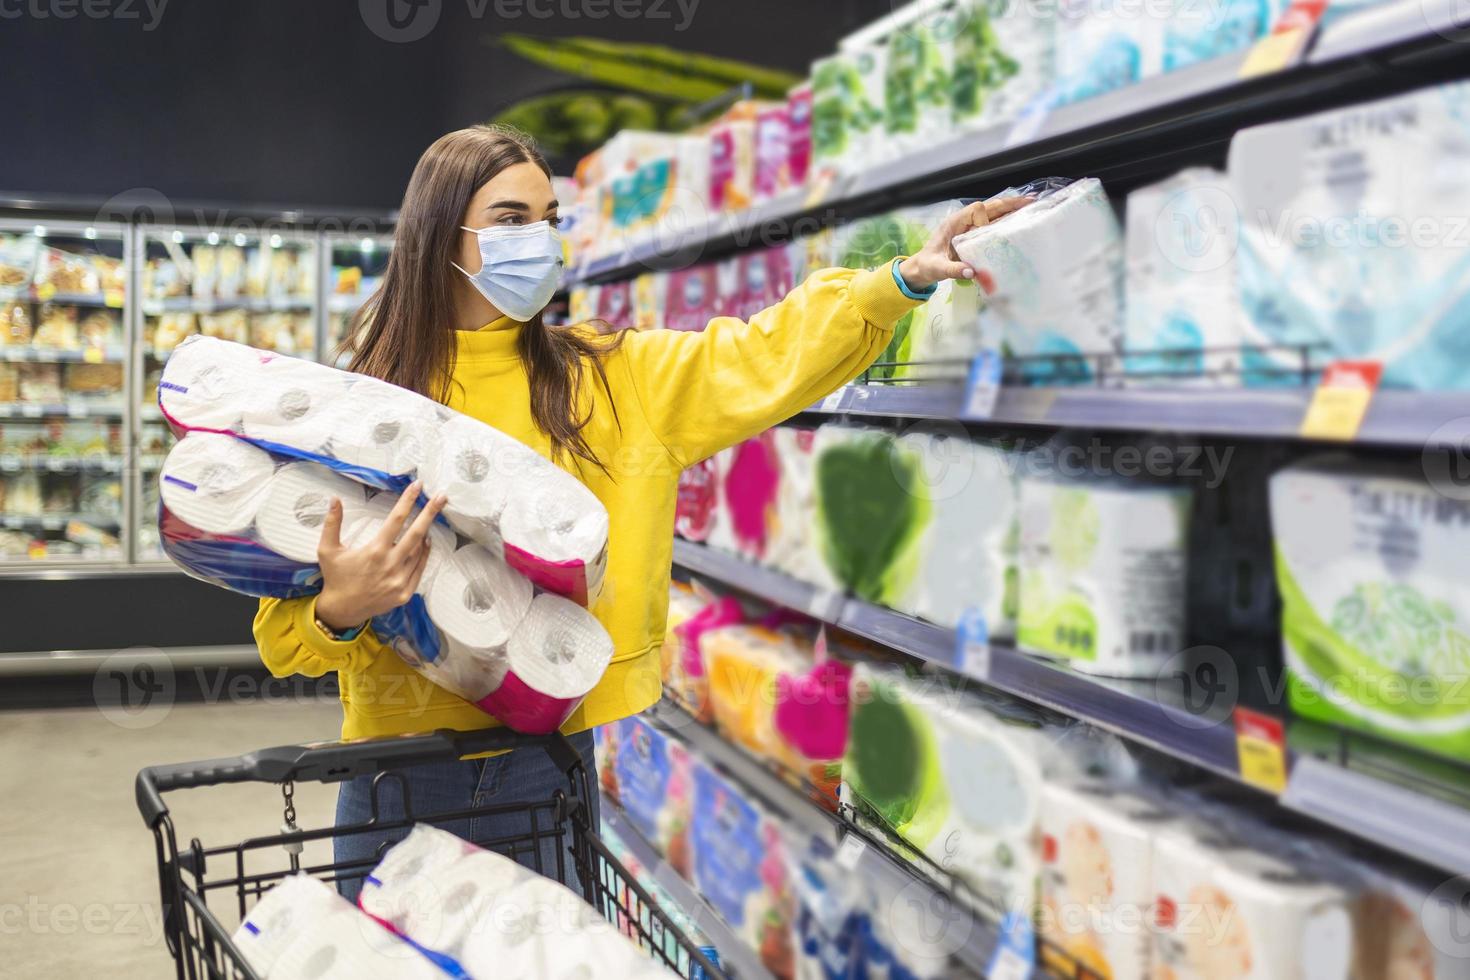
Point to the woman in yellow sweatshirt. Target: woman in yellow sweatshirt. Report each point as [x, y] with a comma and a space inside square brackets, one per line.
[458, 318]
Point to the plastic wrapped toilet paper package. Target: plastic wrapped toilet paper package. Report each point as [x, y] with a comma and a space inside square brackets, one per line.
[1196, 32]
[303, 930]
[1062, 314]
[1340, 246]
[480, 914]
[1102, 572]
[793, 548]
[1005, 58]
[502, 494]
[1372, 563]
[235, 517]
[1104, 45]
[1182, 324]
[945, 772]
[654, 777]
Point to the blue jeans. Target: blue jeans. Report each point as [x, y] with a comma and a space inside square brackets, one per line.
[522, 776]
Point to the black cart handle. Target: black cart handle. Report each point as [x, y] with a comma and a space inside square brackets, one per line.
[331, 762]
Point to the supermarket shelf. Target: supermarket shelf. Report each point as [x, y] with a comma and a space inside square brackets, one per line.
[1397, 418]
[253, 304]
[75, 410]
[55, 522]
[1381, 805]
[45, 662]
[61, 464]
[55, 355]
[74, 299]
[734, 952]
[883, 870]
[346, 304]
[1204, 104]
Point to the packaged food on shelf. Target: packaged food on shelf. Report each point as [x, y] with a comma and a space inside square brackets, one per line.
[1105, 45]
[1317, 255]
[273, 331]
[94, 380]
[56, 326]
[15, 323]
[24, 496]
[100, 496]
[1196, 32]
[230, 278]
[60, 271]
[17, 261]
[1059, 316]
[168, 331]
[1102, 572]
[654, 788]
[869, 524]
[100, 329]
[1182, 323]
[1371, 566]
[204, 270]
[164, 278]
[740, 868]
[39, 382]
[59, 496]
[967, 550]
[959, 782]
[1005, 59]
[233, 325]
[9, 383]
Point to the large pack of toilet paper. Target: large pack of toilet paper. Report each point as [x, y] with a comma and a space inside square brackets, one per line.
[654, 777]
[498, 616]
[1372, 562]
[1354, 238]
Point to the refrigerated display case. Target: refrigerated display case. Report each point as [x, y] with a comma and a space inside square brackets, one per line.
[356, 264]
[64, 288]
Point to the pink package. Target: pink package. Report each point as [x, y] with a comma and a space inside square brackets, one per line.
[811, 710]
[772, 152]
[694, 511]
[799, 132]
[615, 303]
[751, 488]
[693, 298]
[732, 165]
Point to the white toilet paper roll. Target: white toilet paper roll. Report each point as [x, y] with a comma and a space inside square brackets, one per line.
[215, 483]
[291, 403]
[556, 655]
[556, 521]
[476, 600]
[290, 519]
[384, 427]
[474, 466]
[361, 527]
[206, 381]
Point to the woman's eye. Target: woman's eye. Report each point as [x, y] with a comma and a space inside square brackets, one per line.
[511, 219]
[554, 221]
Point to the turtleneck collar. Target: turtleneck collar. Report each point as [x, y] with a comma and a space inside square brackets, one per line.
[496, 340]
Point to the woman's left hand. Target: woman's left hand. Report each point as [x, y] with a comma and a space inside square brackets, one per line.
[937, 260]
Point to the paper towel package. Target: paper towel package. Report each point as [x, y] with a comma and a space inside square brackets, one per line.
[655, 791]
[960, 784]
[1063, 313]
[303, 930]
[1102, 573]
[1227, 912]
[847, 110]
[967, 561]
[477, 913]
[1005, 60]
[1182, 323]
[916, 89]
[1197, 32]
[1096, 878]
[793, 546]
[502, 494]
[1103, 45]
[947, 332]
[237, 518]
[688, 679]
[1372, 562]
[1341, 243]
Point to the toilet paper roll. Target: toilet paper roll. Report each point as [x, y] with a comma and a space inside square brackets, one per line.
[290, 519]
[473, 465]
[384, 427]
[359, 529]
[291, 403]
[477, 600]
[555, 533]
[556, 655]
[205, 383]
[215, 483]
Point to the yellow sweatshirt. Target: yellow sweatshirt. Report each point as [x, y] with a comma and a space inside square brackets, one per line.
[680, 397]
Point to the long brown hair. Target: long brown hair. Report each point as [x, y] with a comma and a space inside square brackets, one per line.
[404, 333]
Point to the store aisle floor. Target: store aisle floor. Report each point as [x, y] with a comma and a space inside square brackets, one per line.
[80, 889]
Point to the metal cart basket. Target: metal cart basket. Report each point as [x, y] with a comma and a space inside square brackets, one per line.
[189, 877]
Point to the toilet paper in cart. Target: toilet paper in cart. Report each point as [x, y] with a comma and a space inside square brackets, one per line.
[303, 930]
[502, 493]
[1057, 268]
[1102, 573]
[1354, 239]
[1224, 911]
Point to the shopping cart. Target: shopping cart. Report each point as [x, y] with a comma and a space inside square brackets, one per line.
[187, 878]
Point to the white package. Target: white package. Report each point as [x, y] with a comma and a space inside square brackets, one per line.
[1024, 35]
[1102, 573]
[303, 930]
[1354, 238]
[1057, 265]
[294, 510]
[215, 483]
[385, 427]
[293, 402]
[1104, 45]
[1182, 324]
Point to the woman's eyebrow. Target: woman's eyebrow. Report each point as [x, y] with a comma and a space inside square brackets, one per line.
[508, 205]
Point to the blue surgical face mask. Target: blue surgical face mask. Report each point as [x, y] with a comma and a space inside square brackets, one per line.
[520, 266]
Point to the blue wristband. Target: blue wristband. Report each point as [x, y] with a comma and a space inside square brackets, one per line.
[903, 287]
[346, 636]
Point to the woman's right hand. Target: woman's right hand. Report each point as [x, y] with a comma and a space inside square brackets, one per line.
[363, 582]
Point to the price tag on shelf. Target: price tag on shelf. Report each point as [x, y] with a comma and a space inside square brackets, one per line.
[972, 645]
[1260, 744]
[36, 551]
[1288, 41]
[826, 605]
[851, 852]
[1341, 400]
[113, 298]
[45, 291]
[833, 401]
[983, 388]
[94, 355]
[32, 411]
[1015, 952]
